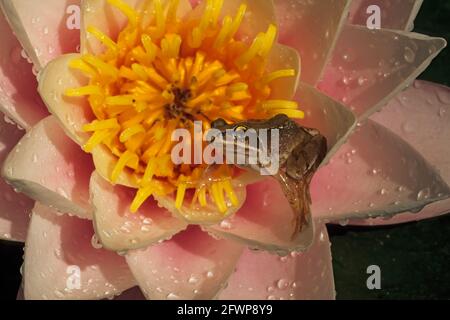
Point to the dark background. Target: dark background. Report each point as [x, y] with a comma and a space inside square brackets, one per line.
[414, 258]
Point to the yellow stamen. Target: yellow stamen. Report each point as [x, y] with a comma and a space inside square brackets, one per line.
[277, 75]
[142, 195]
[82, 66]
[127, 10]
[127, 159]
[97, 138]
[180, 195]
[130, 132]
[101, 125]
[83, 91]
[150, 47]
[280, 104]
[101, 66]
[103, 38]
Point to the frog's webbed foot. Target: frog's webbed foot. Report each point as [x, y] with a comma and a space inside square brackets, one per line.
[298, 195]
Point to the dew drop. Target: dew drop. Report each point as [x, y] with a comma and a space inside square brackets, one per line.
[193, 280]
[282, 284]
[423, 194]
[95, 242]
[172, 296]
[409, 55]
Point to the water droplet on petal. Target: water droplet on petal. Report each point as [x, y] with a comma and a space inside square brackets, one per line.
[96, 244]
[282, 284]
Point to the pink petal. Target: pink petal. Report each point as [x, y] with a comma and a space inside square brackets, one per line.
[395, 14]
[19, 99]
[369, 67]
[45, 30]
[421, 116]
[192, 265]
[14, 207]
[311, 27]
[375, 174]
[58, 245]
[73, 113]
[266, 221]
[48, 167]
[305, 276]
[331, 118]
[430, 211]
[118, 229]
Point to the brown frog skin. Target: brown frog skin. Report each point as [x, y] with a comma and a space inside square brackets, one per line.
[301, 151]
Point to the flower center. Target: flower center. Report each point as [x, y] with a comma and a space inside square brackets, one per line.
[163, 73]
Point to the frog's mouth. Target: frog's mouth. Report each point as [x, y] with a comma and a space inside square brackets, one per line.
[163, 73]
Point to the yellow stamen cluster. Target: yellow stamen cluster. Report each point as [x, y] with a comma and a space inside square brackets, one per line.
[163, 73]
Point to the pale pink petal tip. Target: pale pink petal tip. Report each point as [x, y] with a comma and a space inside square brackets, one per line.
[19, 100]
[47, 166]
[118, 228]
[297, 276]
[375, 174]
[62, 263]
[47, 30]
[192, 265]
[421, 116]
[14, 207]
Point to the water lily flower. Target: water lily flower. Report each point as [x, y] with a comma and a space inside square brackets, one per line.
[96, 87]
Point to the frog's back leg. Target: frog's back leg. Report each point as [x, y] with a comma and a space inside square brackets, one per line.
[306, 157]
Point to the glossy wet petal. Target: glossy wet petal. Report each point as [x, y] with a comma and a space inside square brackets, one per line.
[331, 118]
[18, 97]
[14, 207]
[369, 67]
[375, 174]
[58, 248]
[311, 27]
[46, 30]
[49, 167]
[433, 210]
[266, 221]
[421, 116]
[192, 265]
[73, 113]
[394, 14]
[118, 229]
[305, 276]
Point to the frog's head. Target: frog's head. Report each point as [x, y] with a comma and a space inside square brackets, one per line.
[259, 149]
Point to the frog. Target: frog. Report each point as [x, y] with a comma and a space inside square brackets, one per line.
[301, 152]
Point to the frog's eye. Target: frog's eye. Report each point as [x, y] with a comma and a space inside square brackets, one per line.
[240, 129]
